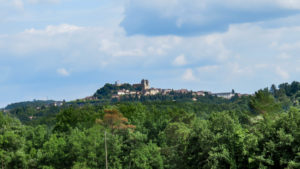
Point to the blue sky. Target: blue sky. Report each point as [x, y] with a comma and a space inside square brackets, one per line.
[67, 49]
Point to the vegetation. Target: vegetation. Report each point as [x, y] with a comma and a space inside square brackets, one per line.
[109, 89]
[259, 131]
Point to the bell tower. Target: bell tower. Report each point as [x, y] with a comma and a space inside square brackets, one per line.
[145, 84]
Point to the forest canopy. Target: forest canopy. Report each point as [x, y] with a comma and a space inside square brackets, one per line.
[259, 131]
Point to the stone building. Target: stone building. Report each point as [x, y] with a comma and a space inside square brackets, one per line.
[228, 95]
[144, 85]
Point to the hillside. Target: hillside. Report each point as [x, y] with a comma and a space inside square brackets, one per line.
[211, 132]
[33, 111]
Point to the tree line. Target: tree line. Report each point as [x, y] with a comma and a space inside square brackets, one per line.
[259, 131]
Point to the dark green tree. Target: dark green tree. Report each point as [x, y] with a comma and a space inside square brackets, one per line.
[263, 103]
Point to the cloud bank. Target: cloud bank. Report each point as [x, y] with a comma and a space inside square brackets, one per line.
[52, 48]
[180, 17]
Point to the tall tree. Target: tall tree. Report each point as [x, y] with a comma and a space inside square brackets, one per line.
[263, 102]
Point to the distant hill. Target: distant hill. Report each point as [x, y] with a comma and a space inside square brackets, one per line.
[286, 94]
[34, 110]
[143, 92]
[35, 103]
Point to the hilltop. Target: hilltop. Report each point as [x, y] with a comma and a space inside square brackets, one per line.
[211, 132]
[110, 94]
[142, 91]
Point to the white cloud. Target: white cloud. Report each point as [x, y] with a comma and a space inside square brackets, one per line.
[224, 54]
[209, 68]
[179, 7]
[188, 75]
[18, 4]
[261, 66]
[282, 73]
[88, 47]
[293, 4]
[53, 30]
[180, 60]
[114, 49]
[11, 4]
[133, 52]
[242, 70]
[43, 1]
[52, 38]
[96, 46]
[290, 46]
[181, 17]
[284, 56]
[249, 56]
[63, 72]
[107, 45]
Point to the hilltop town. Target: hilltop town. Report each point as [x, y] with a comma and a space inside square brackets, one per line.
[129, 92]
[142, 89]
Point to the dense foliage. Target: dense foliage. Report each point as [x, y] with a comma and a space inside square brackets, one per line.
[109, 89]
[260, 131]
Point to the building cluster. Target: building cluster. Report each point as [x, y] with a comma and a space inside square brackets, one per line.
[228, 95]
[58, 103]
[55, 104]
[144, 89]
[147, 91]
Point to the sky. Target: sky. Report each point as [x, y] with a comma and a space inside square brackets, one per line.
[67, 49]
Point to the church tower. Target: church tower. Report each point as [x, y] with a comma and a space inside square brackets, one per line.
[145, 84]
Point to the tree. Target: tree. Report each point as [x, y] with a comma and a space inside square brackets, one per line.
[75, 117]
[219, 142]
[146, 157]
[115, 120]
[173, 140]
[263, 102]
[54, 153]
[135, 112]
[12, 143]
[273, 90]
[277, 141]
